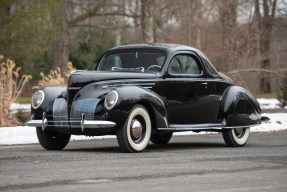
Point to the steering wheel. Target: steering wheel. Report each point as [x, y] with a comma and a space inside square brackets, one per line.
[154, 68]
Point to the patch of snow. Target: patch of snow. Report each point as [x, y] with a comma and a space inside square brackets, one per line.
[269, 103]
[26, 135]
[15, 107]
[278, 122]
[17, 135]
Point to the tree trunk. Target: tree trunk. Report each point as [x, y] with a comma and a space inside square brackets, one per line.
[198, 20]
[61, 44]
[228, 17]
[147, 21]
[264, 27]
[119, 22]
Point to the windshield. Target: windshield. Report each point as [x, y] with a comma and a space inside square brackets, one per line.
[133, 61]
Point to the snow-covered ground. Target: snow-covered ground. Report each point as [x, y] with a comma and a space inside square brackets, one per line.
[269, 103]
[25, 134]
[15, 107]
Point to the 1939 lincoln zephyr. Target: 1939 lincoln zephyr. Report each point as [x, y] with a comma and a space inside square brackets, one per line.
[143, 93]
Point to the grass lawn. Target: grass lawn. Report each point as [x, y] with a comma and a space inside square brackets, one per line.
[24, 100]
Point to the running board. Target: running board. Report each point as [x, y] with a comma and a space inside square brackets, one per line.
[199, 127]
[194, 127]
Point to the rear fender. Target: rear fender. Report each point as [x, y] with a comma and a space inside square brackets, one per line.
[239, 108]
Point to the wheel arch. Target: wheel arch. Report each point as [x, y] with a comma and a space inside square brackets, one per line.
[129, 96]
[151, 112]
[239, 108]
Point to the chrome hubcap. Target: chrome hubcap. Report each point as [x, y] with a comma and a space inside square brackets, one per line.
[239, 132]
[136, 129]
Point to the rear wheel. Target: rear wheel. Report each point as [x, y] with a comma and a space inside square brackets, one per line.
[160, 138]
[52, 140]
[237, 137]
[135, 134]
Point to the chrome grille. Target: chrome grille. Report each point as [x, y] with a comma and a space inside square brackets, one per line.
[60, 113]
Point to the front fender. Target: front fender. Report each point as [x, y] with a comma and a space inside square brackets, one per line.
[239, 108]
[51, 93]
[129, 96]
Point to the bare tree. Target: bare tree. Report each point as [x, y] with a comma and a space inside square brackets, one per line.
[61, 44]
[147, 21]
[265, 22]
[228, 16]
[119, 22]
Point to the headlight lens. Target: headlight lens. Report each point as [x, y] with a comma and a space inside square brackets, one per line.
[37, 99]
[111, 99]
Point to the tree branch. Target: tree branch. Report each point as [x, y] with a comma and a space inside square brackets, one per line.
[277, 73]
[255, 70]
[93, 11]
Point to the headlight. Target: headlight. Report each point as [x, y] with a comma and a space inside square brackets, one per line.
[37, 99]
[111, 99]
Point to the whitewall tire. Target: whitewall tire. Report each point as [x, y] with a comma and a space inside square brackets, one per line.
[135, 134]
[236, 137]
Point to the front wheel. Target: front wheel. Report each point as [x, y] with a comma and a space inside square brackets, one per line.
[52, 140]
[135, 134]
[236, 137]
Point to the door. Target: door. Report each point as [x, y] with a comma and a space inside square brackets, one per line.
[186, 90]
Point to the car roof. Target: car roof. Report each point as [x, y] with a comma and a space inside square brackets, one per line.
[165, 46]
[160, 46]
[169, 47]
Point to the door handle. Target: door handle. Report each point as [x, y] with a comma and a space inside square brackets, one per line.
[205, 83]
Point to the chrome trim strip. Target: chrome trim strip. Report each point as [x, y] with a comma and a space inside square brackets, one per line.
[85, 124]
[74, 88]
[196, 126]
[235, 127]
[98, 124]
[115, 83]
[200, 127]
[188, 129]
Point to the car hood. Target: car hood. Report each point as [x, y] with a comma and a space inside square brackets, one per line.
[82, 78]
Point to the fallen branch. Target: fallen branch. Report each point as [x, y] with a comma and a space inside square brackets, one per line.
[258, 70]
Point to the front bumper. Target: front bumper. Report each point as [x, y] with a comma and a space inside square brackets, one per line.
[84, 124]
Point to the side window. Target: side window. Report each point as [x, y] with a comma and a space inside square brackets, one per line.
[184, 64]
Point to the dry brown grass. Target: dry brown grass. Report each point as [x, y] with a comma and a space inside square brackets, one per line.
[55, 77]
[11, 85]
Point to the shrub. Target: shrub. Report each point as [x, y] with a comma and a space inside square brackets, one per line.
[55, 77]
[11, 85]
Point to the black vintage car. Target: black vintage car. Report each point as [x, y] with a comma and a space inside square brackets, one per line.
[143, 93]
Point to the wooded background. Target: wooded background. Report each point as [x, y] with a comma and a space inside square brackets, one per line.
[245, 39]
